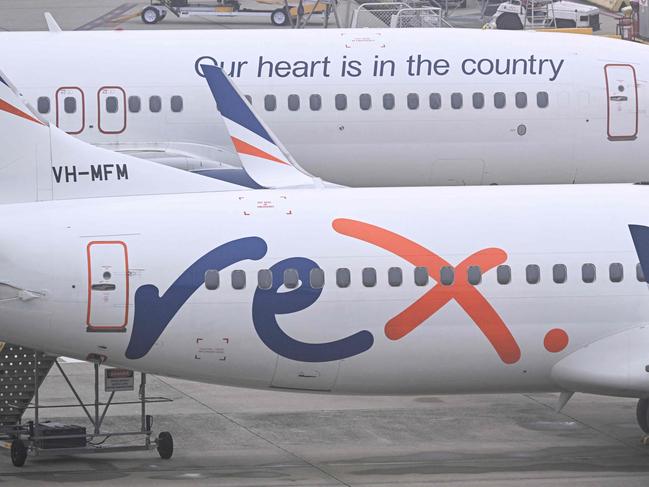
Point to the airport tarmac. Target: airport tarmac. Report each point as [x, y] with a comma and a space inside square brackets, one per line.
[236, 437]
[117, 14]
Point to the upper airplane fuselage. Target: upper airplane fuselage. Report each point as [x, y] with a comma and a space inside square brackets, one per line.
[357, 107]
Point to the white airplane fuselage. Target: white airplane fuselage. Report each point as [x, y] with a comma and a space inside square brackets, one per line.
[105, 277]
[357, 107]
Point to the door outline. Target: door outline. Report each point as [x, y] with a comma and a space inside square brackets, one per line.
[116, 327]
[99, 109]
[83, 107]
[608, 104]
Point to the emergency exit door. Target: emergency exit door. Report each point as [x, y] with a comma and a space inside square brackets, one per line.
[111, 110]
[108, 286]
[622, 101]
[70, 109]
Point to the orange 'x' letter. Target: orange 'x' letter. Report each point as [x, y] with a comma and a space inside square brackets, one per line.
[466, 295]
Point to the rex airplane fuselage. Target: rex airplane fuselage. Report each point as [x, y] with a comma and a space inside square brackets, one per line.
[398, 291]
[357, 107]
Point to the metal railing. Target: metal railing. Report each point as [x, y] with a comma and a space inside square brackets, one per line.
[397, 15]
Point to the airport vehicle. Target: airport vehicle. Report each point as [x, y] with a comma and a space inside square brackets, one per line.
[322, 289]
[392, 107]
[542, 14]
[158, 10]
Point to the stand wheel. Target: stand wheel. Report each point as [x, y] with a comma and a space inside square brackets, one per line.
[151, 15]
[18, 453]
[279, 17]
[641, 414]
[165, 445]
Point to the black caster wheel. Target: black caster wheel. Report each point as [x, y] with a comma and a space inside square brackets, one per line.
[641, 414]
[151, 15]
[165, 445]
[18, 453]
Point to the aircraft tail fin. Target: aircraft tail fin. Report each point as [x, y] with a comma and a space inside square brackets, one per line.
[263, 156]
[40, 162]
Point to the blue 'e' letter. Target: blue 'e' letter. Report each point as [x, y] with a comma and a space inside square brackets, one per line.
[268, 303]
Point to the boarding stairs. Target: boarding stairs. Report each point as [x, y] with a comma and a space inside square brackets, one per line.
[22, 371]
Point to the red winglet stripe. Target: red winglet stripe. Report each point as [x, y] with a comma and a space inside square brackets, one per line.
[245, 148]
[6, 107]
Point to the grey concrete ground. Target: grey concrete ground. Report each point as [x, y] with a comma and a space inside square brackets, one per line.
[118, 14]
[233, 437]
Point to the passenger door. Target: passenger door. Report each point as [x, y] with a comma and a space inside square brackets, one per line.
[111, 110]
[108, 286]
[622, 102]
[70, 109]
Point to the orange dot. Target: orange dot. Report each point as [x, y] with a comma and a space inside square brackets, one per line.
[555, 340]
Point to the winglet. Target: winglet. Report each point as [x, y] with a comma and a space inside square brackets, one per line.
[640, 236]
[263, 156]
[52, 25]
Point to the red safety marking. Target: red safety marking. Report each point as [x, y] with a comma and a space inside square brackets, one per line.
[466, 295]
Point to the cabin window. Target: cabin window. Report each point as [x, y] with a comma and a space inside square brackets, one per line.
[616, 272]
[474, 275]
[542, 99]
[478, 100]
[365, 101]
[316, 278]
[176, 103]
[500, 100]
[249, 98]
[639, 273]
[238, 279]
[111, 104]
[504, 274]
[315, 102]
[369, 277]
[43, 104]
[559, 273]
[456, 101]
[413, 101]
[270, 103]
[265, 279]
[421, 276]
[532, 274]
[388, 101]
[343, 277]
[341, 101]
[134, 104]
[588, 273]
[435, 101]
[155, 104]
[212, 280]
[395, 276]
[293, 103]
[69, 104]
[446, 275]
[291, 278]
[521, 99]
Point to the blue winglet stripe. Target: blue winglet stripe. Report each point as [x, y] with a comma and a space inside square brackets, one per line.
[230, 104]
[3, 81]
[640, 236]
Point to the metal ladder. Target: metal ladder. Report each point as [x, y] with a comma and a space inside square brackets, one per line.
[538, 14]
[18, 382]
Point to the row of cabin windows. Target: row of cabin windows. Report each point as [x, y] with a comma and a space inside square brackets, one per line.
[412, 101]
[447, 276]
[315, 102]
[111, 104]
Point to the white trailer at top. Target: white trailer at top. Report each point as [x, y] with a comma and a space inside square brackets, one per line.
[544, 14]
